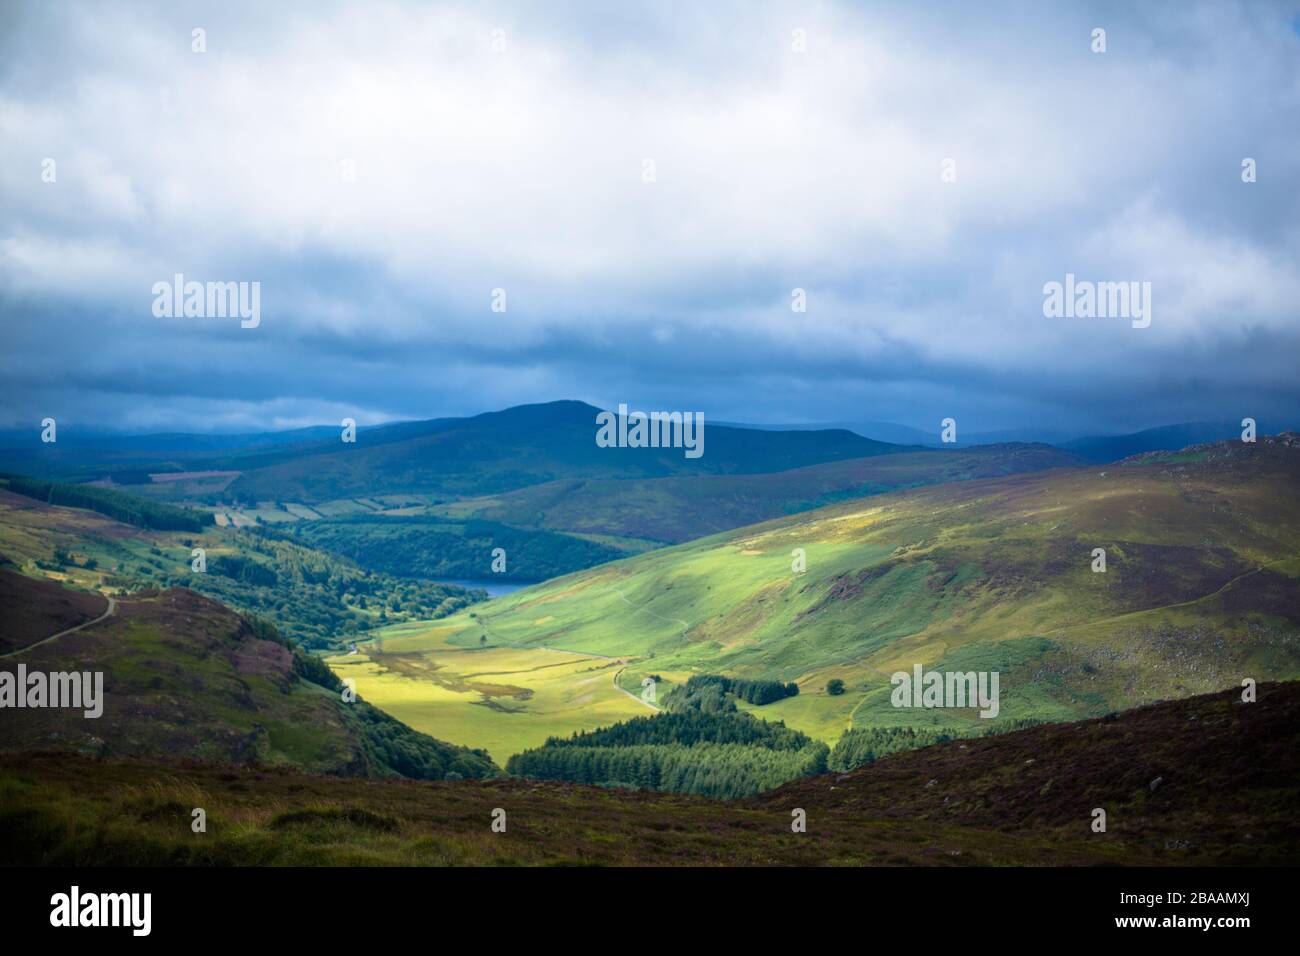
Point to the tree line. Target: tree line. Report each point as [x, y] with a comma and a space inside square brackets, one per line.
[139, 512]
[725, 771]
[862, 745]
[757, 692]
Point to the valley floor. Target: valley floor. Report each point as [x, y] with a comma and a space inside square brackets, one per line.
[501, 699]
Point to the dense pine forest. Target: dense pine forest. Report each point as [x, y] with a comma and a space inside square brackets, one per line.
[701, 745]
[862, 745]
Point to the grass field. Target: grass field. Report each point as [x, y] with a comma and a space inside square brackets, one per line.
[501, 699]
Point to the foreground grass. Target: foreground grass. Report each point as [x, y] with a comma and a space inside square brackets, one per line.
[1209, 780]
[67, 811]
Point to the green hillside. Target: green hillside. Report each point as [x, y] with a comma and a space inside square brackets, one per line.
[132, 510]
[1202, 589]
[185, 677]
[435, 499]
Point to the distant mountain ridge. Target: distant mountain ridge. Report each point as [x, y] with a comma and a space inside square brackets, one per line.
[84, 453]
[527, 445]
[486, 453]
[1095, 447]
[1103, 448]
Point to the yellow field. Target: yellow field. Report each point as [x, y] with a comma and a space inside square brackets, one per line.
[502, 699]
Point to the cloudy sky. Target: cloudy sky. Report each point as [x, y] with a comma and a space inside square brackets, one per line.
[380, 168]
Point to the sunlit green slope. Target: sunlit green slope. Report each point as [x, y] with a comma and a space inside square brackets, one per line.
[1201, 589]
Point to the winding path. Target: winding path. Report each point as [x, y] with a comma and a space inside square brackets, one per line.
[655, 707]
[112, 609]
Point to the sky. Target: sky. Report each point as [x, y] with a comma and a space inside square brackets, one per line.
[649, 183]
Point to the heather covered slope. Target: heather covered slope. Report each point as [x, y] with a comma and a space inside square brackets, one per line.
[1211, 779]
[1229, 781]
[680, 508]
[1201, 589]
[34, 609]
[185, 677]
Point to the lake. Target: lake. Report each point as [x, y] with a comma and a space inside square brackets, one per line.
[493, 588]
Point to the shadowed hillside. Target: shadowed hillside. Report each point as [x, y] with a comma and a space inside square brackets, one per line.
[1209, 774]
[35, 609]
[185, 677]
[683, 507]
[1228, 780]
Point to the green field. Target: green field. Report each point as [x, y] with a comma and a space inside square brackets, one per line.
[501, 699]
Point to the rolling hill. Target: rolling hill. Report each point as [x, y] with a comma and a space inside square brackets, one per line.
[1201, 590]
[314, 597]
[186, 678]
[450, 457]
[408, 499]
[526, 445]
